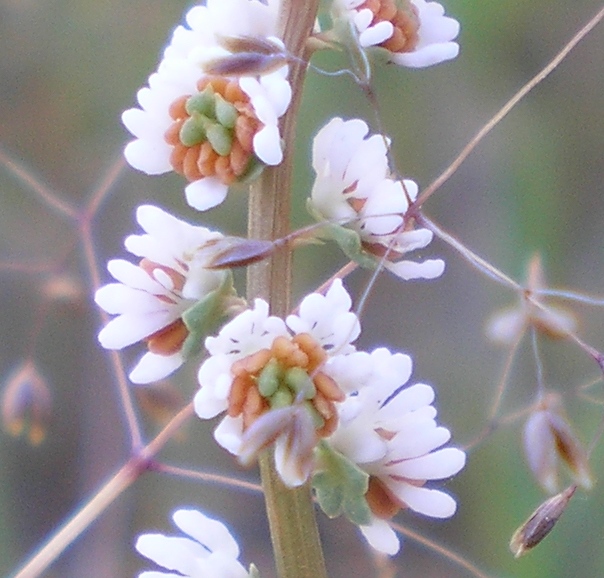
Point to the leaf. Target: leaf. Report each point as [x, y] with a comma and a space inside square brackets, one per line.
[205, 316]
[347, 239]
[340, 486]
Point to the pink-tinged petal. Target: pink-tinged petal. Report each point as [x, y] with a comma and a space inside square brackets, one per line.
[362, 19]
[207, 403]
[417, 440]
[381, 537]
[228, 433]
[278, 90]
[142, 125]
[116, 298]
[412, 240]
[408, 399]
[153, 367]
[437, 465]
[133, 276]
[210, 533]
[206, 193]
[128, 329]
[428, 56]
[294, 467]
[407, 270]
[377, 34]
[433, 503]
[171, 552]
[359, 445]
[267, 145]
[159, 575]
[150, 157]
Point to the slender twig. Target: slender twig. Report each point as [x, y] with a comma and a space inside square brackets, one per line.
[441, 550]
[102, 190]
[137, 465]
[506, 108]
[43, 193]
[471, 257]
[571, 296]
[199, 476]
[539, 372]
[491, 422]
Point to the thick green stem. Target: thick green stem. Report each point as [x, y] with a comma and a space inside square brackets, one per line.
[294, 533]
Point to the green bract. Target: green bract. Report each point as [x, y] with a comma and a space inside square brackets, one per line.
[340, 486]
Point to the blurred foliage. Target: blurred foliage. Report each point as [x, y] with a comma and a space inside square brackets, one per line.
[68, 70]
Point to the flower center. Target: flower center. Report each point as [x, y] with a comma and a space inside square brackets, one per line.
[286, 373]
[405, 21]
[212, 133]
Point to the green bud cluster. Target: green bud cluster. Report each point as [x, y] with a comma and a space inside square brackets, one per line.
[212, 119]
[281, 387]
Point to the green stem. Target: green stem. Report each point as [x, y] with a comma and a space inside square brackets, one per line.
[294, 533]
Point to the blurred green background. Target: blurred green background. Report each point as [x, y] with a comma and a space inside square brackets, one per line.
[67, 71]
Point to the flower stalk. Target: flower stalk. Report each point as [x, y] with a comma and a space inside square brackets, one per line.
[290, 512]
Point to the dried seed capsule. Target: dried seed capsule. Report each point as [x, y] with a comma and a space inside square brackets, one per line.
[540, 523]
[549, 440]
[26, 403]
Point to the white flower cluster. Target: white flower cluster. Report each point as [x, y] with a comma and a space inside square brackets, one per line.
[416, 35]
[391, 433]
[353, 188]
[208, 549]
[317, 342]
[388, 431]
[213, 130]
[150, 299]
[211, 113]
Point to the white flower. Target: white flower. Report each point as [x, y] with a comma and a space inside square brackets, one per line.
[390, 432]
[416, 35]
[212, 129]
[208, 550]
[150, 298]
[353, 189]
[262, 374]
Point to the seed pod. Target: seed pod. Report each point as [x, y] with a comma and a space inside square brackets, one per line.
[26, 403]
[238, 252]
[540, 523]
[244, 64]
[549, 440]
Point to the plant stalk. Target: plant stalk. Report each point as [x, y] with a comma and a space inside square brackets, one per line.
[290, 512]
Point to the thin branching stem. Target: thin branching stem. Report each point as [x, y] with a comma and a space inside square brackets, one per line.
[138, 464]
[477, 262]
[42, 191]
[506, 108]
[440, 550]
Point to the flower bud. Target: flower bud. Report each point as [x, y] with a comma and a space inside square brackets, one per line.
[231, 252]
[540, 523]
[508, 325]
[65, 289]
[548, 438]
[26, 403]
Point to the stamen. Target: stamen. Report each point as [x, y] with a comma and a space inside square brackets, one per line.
[405, 36]
[380, 499]
[213, 131]
[168, 340]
